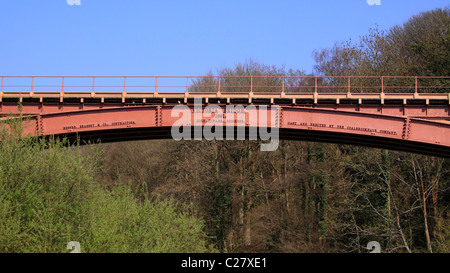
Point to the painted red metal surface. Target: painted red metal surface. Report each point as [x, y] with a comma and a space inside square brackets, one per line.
[393, 112]
[367, 126]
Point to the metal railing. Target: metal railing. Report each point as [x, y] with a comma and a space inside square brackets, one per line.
[225, 84]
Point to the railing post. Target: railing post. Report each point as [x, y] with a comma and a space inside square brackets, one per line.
[315, 90]
[32, 85]
[315, 84]
[349, 93]
[93, 86]
[282, 86]
[348, 85]
[218, 85]
[61, 94]
[382, 84]
[251, 84]
[187, 84]
[124, 84]
[1, 91]
[415, 89]
[186, 94]
[124, 93]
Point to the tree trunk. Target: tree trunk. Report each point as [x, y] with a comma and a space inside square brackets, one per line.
[421, 189]
[424, 206]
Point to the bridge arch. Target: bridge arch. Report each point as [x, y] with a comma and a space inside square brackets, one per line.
[295, 123]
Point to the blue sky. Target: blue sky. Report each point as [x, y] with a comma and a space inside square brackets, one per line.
[175, 37]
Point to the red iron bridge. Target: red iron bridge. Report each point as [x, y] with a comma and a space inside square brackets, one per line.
[401, 113]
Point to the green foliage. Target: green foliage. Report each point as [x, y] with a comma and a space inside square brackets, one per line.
[49, 197]
[118, 222]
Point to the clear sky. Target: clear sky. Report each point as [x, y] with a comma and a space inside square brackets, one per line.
[182, 37]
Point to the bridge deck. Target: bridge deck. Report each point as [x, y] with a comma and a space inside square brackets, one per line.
[227, 96]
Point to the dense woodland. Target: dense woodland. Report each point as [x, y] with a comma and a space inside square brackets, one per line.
[228, 196]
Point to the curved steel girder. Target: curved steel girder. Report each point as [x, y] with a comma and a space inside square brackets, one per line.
[334, 126]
